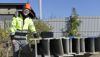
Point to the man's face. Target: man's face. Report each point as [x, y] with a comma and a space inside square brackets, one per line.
[26, 12]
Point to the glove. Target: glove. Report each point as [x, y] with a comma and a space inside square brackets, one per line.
[12, 37]
[35, 35]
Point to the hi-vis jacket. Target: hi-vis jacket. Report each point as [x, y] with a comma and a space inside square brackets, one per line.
[19, 24]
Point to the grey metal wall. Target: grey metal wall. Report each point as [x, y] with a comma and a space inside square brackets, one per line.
[89, 26]
[58, 25]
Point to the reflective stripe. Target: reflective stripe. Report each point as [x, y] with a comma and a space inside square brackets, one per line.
[21, 32]
[16, 36]
[20, 37]
[13, 33]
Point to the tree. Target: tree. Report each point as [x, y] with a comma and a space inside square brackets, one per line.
[74, 24]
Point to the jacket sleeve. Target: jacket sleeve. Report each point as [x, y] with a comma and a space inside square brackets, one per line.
[31, 26]
[13, 26]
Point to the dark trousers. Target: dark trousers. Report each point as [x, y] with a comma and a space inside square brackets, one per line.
[22, 49]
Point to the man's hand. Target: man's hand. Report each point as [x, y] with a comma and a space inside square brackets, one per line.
[12, 37]
[36, 35]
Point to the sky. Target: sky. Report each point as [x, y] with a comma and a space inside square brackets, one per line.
[63, 8]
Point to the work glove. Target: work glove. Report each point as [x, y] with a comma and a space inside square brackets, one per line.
[36, 35]
[12, 37]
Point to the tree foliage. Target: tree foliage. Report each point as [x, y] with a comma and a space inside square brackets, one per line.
[41, 26]
[74, 24]
[3, 35]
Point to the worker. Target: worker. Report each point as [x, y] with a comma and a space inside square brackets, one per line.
[22, 24]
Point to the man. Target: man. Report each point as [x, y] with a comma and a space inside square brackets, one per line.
[20, 26]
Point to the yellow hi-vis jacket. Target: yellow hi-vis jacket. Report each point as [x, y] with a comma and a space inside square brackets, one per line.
[19, 24]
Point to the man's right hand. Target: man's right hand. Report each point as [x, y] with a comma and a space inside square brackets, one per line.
[36, 35]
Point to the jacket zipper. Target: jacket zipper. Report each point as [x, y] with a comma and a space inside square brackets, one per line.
[23, 24]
